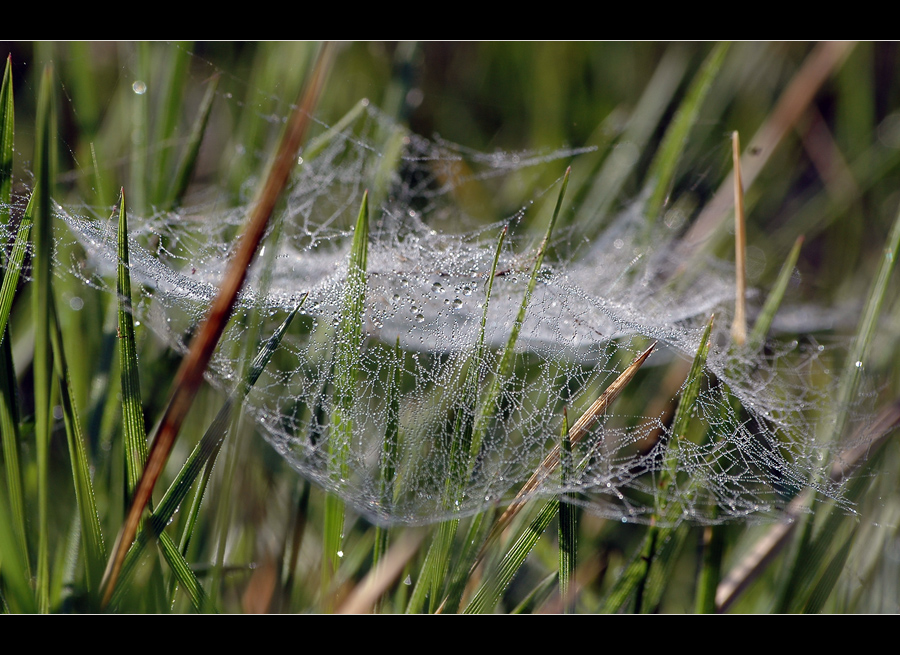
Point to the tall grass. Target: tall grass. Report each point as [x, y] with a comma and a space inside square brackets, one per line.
[821, 173]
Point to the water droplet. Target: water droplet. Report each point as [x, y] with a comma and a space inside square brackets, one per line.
[457, 303]
[437, 288]
[139, 87]
[419, 318]
[340, 553]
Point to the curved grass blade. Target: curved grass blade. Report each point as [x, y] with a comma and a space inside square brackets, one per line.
[434, 570]
[349, 341]
[190, 374]
[662, 170]
[189, 160]
[9, 411]
[489, 403]
[203, 455]
[169, 104]
[91, 535]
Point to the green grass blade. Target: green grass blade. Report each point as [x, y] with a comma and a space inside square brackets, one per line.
[568, 523]
[16, 594]
[389, 448]
[490, 591]
[189, 160]
[7, 125]
[170, 101]
[349, 341]
[202, 456]
[644, 120]
[820, 593]
[135, 434]
[9, 412]
[710, 569]
[773, 302]
[662, 170]
[488, 403]
[684, 410]
[434, 569]
[849, 380]
[91, 535]
[43, 358]
[317, 145]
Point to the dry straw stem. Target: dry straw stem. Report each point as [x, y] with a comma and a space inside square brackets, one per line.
[190, 374]
[821, 62]
[739, 325]
[576, 434]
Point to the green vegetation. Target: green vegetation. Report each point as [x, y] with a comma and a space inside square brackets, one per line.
[84, 382]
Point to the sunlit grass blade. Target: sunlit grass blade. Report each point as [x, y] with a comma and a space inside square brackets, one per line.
[349, 341]
[193, 366]
[189, 159]
[665, 162]
[134, 431]
[568, 523]
[202, 457]
[490, 591]
[773, 301]
[42, 258]
[434, 570]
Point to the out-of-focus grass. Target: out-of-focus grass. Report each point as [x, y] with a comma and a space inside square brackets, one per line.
[832, 175]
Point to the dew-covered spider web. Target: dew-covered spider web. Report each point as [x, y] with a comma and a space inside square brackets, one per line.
[756, 438]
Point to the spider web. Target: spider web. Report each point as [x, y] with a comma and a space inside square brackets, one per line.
[599, 302]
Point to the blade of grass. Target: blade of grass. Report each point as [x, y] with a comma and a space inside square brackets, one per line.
[739, 323]
[433, 573]
[9, 411]
[488, 404]
[91, 535]
[389, 449]
[203, 456]
[576, 433]
[167, 116]
[42, 362]
[773, 301]
[349, 340]
[647, 572]
[134, 432]
[189, 159]
[190, 374]
[490, 591]
[568, 523]
[662, 170]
